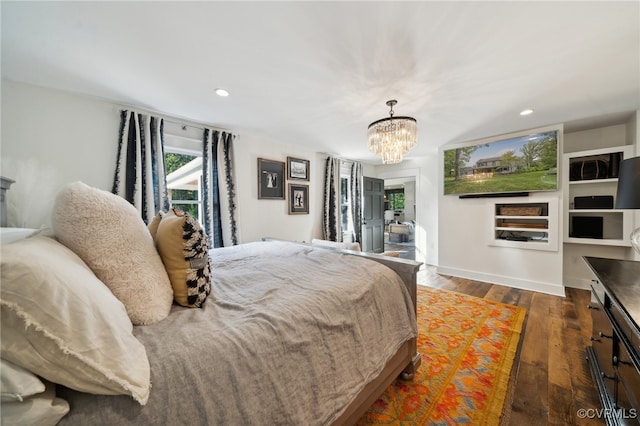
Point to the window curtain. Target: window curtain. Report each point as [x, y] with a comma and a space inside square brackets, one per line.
[218, 189]
[331, 223]
[140, 173]
[355, 194]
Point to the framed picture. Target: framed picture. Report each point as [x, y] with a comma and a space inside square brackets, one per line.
[270, 179]
[298, 169]
[298, 199]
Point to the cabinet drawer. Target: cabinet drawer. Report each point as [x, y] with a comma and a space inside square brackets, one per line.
[629, 379]
[597, 292]
[602, 345]
[623, 323]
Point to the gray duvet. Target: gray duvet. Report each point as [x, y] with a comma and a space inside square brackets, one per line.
[289, 336]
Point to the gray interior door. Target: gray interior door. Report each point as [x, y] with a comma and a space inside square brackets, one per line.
[373, 215]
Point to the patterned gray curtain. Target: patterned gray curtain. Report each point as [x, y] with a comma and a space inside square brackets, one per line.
[218, 189]
[355, 194]
[331, 223]
[140, 172]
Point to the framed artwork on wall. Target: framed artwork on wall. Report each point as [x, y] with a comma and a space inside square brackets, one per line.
[271, 179]
[298, 168]
[298, 199]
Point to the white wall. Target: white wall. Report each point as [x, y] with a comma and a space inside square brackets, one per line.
[50, 138]
[464, 251]
[410, 201]
[602, 137]
[270, 218]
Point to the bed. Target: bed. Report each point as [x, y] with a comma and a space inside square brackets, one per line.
[290, 333]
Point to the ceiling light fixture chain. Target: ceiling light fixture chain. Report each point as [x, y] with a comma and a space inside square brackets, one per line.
[391, 104]
[392, 137]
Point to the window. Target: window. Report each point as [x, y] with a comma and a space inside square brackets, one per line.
[183, 163]
[345, 205]
[394, 199]
[184, 182]
[348, 230]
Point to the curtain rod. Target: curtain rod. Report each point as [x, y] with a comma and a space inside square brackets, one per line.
[183, 125]
[183, 122]
[348, 160]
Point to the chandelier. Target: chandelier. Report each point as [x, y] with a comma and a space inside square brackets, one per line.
[392, 137]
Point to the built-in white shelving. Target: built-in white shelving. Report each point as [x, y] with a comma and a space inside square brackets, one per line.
[598, 226]
[528, 225]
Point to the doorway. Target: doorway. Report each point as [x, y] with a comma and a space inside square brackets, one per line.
[400, 217]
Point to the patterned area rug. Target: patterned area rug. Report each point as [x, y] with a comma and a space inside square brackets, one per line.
[467, 345]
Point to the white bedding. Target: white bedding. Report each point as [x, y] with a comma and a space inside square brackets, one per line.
[9, 235]
[289, 335]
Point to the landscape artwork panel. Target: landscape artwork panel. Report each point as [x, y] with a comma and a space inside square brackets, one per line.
[518, 164]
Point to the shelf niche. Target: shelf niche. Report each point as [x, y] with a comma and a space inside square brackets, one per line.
[594, 173]
[527, 225]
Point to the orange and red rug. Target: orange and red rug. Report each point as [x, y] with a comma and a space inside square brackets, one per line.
[467, 345]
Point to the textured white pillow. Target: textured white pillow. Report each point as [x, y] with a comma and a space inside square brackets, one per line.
[61, 323]
[107, 232]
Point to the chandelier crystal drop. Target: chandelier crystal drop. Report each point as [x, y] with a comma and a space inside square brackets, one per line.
[392, 137]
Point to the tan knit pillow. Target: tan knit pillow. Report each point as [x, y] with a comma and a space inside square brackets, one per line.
[109, 235]
[153, 225]
[183, 247]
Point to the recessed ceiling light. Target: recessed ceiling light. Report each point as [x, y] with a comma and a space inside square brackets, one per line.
[526, 111]
[222, 92]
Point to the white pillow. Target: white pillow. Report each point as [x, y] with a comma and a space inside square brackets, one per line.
[9, 235]
[42, 409]
[16, 383]
[107, 232]
[336, 245]
[61, 323]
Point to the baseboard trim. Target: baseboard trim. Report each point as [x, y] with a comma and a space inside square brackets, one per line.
[555, 290]
[577, 282]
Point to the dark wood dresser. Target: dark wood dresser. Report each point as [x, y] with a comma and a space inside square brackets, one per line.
[614, 354]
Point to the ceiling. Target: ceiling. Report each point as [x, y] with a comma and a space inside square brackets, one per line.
[315, 74]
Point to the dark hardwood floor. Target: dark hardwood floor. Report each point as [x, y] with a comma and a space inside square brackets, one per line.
[550, 379]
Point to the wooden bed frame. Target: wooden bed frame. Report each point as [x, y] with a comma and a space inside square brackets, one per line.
[406, 361]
